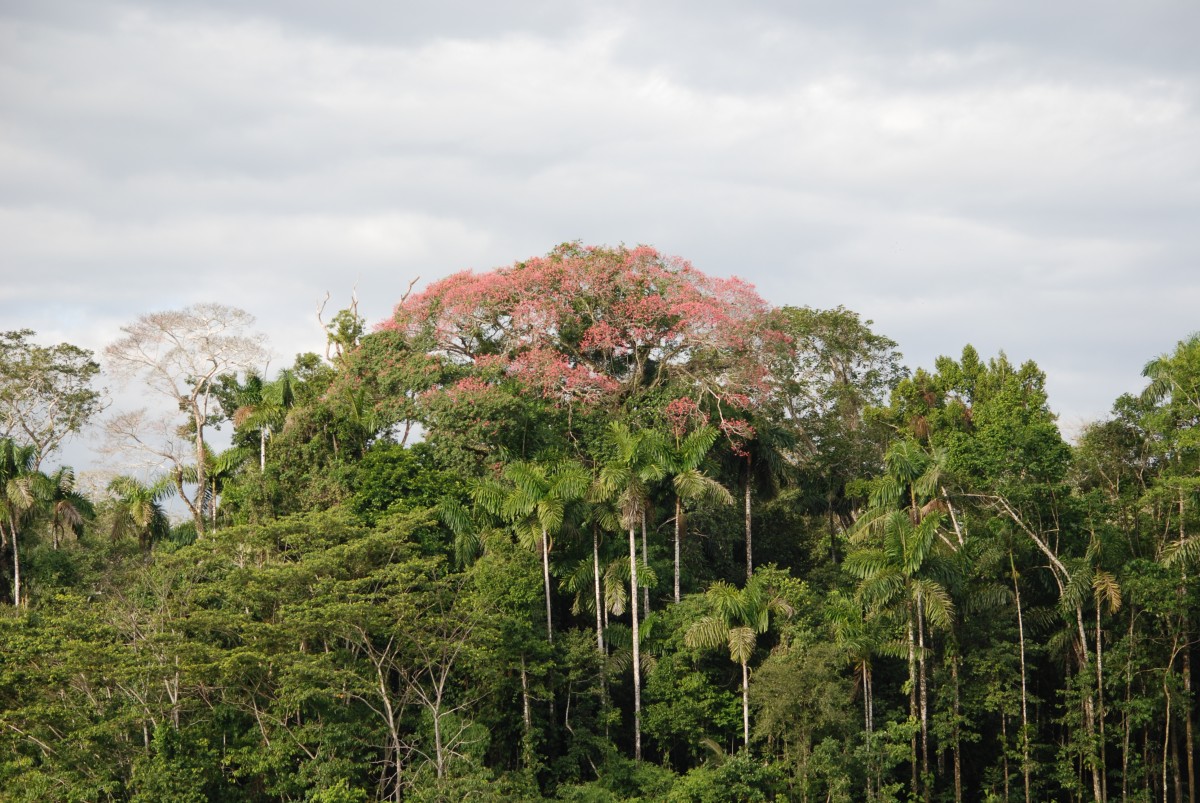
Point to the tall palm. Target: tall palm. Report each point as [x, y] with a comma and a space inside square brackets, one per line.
[684, 461]
[900, 565]
[139, 510]
[635, 460]
[19, 495]
[859, 635]
[68, 509]
[265, 406]
[738, 617]
[760, 456]
[533, 498]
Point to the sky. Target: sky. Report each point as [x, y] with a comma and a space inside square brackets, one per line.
[1020, 176]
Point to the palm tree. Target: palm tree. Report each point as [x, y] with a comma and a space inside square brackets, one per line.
[634, 463]
[762, 461]
[859, 635]
[689, 482]
[139, 509]
[19, 494]
[739, 616]
[67, 507]
[903, 567]
[533, 499]
[265, 408]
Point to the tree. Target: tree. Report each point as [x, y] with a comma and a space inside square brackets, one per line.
[67, 507]
[685, 457]
[899, 566]
[739, 616]
[635, 461]
[46, 392]
[181, 355]
[139, 511]
[533, 499]
[18, 498]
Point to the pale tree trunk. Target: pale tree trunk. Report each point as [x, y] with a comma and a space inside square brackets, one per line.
[1189, 743]
[924, 699]
[201, 475]
[526, 710]
[637, 653]
[645, 560]
[749, 550]
[912, 695]
[262, 450]
[12, 528]
[869, 722]
[1025, 768]
[746, 705]
[678, 533]
[546, 583]
[1102, 748]
[1126, 725]
[958, 796]
[599, 600]
[1089, 705]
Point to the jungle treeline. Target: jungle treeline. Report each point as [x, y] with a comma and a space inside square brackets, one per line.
[594, 526]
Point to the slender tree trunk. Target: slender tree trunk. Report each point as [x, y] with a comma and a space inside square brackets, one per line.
[1126, 724]
[1004, 752]
[12, 527]
[1025, 768]
[262, 450]
[869, 717]
[924, 698]
[912, 695]
[1166, 738]
[1102, 748]
[746, 705]
[749, 549]
[957, 741]
[1189, 705]
[526, 709]
[201, 474]
[1089, 707]
[637, 653]
[599, 599]
[678, 534]
[645, 560]
[546, 582]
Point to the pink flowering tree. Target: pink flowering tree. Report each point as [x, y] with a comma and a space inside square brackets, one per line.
[587, 328]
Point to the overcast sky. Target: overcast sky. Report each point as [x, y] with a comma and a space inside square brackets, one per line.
[1017, 175]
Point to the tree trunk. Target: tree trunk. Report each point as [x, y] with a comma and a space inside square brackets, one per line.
[1102, 747]
[12, 527]
[526, 710]
[546, 582]
[746, 705]
[262, 450]
[201, 474]
[645, 560]
[637, 653]
[912, 695]
[1188, 743]
[1089, 706]
[678, 533]
[599, 599]
[957, 741]
[1166, 738]
[924, 699]
[749, 549]
[1025, 768]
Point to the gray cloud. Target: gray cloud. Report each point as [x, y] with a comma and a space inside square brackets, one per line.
[1015, 175]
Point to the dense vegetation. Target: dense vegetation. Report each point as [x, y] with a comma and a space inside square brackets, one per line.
[596, 527]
